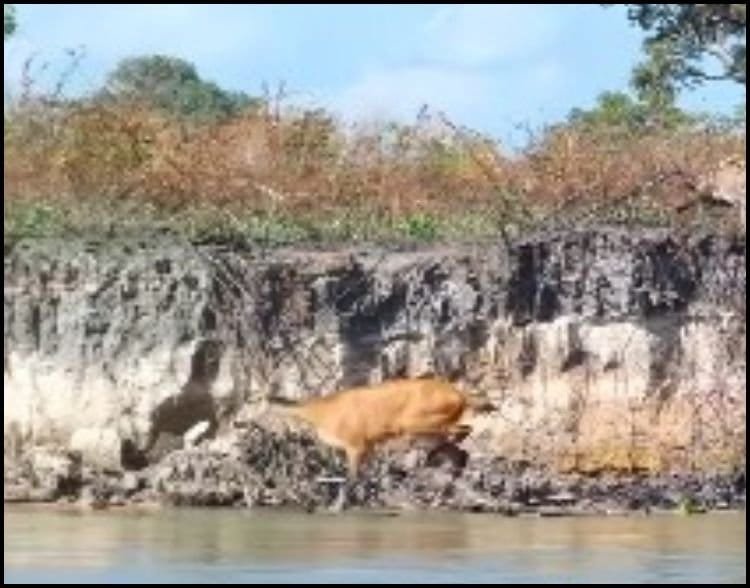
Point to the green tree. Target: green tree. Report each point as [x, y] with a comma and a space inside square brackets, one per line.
[618, 111]
[174, 85]
[655, 79]
[9, 21]
[688, 44]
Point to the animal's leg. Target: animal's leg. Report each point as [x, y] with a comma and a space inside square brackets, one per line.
[338, 505]
[448, 446]
[354, 457]
[456, 456]
[438, 439]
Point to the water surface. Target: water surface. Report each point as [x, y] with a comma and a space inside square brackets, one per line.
[44, 545]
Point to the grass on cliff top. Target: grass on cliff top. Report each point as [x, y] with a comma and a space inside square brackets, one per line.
[118, 169]
[29, 220]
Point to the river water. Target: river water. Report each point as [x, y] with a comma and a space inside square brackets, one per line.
[215, 546]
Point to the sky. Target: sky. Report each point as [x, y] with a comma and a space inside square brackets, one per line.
[499, 69]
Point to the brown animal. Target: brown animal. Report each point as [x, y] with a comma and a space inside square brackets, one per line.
[358, 419]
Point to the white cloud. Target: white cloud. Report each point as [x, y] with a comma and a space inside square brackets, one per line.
[400, 92]
[474, 62]
[467, 96]
[481, 34]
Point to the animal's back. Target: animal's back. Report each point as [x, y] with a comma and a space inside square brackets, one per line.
[370, 414]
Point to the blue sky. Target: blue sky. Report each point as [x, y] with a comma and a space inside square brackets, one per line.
[491, 67]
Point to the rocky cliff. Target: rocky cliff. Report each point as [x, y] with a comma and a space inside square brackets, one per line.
[603, 349]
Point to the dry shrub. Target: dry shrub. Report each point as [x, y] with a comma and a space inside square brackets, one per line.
[307, 165]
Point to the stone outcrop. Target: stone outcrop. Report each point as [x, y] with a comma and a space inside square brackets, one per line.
[603, 349]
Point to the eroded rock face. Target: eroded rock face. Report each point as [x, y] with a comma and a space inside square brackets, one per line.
[106, 341]
[271, 466]
[603, 349]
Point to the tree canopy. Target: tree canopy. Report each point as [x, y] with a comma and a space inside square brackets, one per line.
[9, 20]
[688, 44]
[172, 84]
